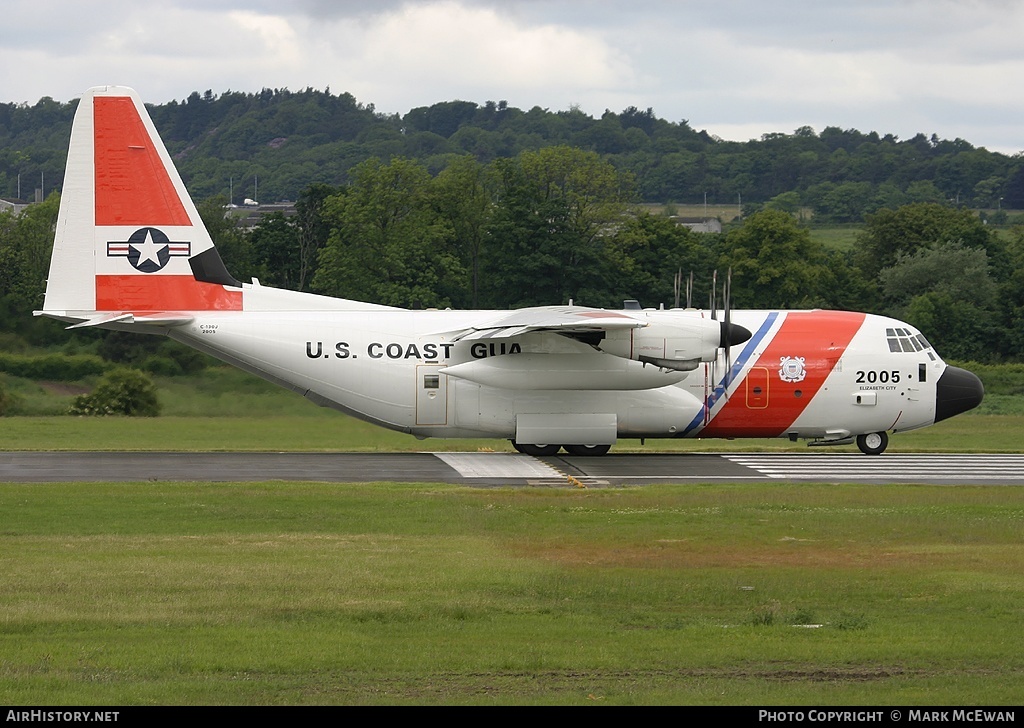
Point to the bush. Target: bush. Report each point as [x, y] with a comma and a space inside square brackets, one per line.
[8, 401]
[120, 392]
[162, 366]
[52, 367]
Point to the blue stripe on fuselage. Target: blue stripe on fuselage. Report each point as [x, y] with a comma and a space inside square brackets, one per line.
[737, 367]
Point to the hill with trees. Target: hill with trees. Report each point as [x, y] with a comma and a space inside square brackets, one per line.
[272, 144]
[469, 206]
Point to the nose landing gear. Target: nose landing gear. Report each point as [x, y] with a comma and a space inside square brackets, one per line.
[873, 443]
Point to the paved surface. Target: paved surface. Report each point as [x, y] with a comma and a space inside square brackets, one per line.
[493, 469]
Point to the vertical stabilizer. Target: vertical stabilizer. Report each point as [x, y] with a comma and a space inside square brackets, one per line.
[129, 238]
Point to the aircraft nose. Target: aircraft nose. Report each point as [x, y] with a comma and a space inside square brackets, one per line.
[957, 390]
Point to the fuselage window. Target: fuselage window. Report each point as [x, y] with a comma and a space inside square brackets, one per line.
[431, 381]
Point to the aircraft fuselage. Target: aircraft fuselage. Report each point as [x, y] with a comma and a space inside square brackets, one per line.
[803, 374]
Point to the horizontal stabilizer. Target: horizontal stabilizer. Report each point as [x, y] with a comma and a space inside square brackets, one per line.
[159, 319]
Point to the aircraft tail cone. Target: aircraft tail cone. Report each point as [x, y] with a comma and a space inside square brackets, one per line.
[957, 390]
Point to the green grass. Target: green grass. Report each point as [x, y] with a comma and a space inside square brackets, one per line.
[307, 593]
[836, 237]
[223, 409]
[328, 431]
[183, 593]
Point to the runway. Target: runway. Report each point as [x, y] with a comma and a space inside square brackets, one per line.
[508, 469]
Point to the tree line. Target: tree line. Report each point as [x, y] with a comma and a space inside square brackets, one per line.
[559, 224]
[271, 145]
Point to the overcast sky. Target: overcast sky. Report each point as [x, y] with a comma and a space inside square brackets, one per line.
[737, 68]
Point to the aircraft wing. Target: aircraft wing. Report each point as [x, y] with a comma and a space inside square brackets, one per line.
[568, 320]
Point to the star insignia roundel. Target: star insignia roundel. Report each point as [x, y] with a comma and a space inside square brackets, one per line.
[148, 249]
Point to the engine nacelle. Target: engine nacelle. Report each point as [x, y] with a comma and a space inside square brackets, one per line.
[681, 345]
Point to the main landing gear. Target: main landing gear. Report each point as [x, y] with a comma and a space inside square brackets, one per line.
[873, 443]
[542, 450]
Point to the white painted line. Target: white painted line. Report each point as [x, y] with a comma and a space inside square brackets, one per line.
[497, 465]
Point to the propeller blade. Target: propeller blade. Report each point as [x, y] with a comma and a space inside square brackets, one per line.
[732, 334]
[714, 294]
[727, 295]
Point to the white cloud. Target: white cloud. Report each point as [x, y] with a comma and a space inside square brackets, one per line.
[893, 66]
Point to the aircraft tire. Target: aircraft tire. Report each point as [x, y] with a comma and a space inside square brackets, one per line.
[587, 449]
[873, 443]
[536, 450]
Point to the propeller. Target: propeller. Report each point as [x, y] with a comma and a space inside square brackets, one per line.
[732, 334]
[727, 327]
[678, 285]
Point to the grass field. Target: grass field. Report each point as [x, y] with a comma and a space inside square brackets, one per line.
[326, 431]
[223, 409]
[260, 594]
[164, 593]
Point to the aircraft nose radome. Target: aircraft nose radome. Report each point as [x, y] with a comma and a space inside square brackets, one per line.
[957, 390]
[734, 334]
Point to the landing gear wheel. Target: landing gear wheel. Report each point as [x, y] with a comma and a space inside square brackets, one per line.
[587, 449]
[873, 443]
[536, 450]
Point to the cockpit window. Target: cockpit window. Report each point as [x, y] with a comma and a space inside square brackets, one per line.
[904, 340]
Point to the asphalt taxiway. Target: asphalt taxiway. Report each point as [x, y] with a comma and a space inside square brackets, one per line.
[505, 469]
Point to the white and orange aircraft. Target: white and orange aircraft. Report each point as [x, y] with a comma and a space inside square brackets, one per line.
[131, 253]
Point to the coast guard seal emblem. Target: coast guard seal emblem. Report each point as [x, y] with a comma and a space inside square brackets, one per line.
[791, 368]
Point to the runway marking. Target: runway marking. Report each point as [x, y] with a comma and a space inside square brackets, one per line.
[498, 465]
[968, 468]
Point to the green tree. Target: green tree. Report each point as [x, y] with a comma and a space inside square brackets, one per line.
[533, 255]
[388, 244]
[786, 202]
[925, 191]
[889, 233]
[313, 228]
[846, 202]
[948, 293]
[464, 195]
[645, 254]
[595, 194]
[275, 251]
[26, 241]
[775, 263]
[1011, 295]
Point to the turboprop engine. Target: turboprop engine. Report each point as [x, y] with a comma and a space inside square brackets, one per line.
[679, 345]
